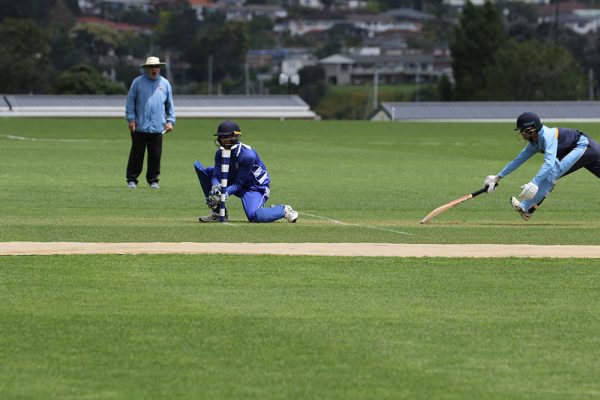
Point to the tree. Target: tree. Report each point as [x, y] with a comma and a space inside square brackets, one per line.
[83, 79]
[534, 71]
[25, 9]
[227, 60]
[95, 39]
[25, 62]
[444, 88]
[176, 27]
[31, 9]
[476, 39]
[312, 87]
[260, 33]
[60, 22]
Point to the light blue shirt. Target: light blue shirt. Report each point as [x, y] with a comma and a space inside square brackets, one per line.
[150, 104]
[548, 143]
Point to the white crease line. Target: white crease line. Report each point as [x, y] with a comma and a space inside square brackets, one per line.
[34, 139]
[335, 221]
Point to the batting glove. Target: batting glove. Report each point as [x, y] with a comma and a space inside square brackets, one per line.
[491, 182]
[529, 191]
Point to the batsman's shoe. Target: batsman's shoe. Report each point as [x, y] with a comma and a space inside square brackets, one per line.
[516, 204]
[212, 217]
[290, 214]
[131, 185]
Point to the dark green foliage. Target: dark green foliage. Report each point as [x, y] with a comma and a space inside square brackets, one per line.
[83, 79]
[312, 84]
[474, 45]
[534, 71]
[227, 60]
[444, 88]
[25, 60]
[176, 27]
[260, 33]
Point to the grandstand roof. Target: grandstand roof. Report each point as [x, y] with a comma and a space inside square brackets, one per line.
[194, 106]
[487, 111]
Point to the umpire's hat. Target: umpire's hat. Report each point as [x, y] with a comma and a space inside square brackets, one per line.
[228, 128]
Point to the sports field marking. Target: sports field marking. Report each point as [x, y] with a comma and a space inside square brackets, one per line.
[335, 221]
[34, 139]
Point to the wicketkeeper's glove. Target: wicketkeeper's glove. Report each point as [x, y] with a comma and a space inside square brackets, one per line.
[213, 200]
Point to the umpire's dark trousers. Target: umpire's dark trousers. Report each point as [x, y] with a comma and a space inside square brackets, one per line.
[139, 142]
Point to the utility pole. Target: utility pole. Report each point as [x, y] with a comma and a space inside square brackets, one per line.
[376, 87]
[417, 79]
[210, 74]
[247, 76]
[591, 83]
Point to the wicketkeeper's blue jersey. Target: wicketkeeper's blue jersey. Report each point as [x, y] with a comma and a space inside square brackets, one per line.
[246, 170]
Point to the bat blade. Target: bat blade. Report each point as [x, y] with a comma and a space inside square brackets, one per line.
[443, 208]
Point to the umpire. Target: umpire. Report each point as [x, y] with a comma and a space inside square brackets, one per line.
[150, 113]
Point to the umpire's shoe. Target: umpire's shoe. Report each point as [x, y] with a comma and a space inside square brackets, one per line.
[213, 217]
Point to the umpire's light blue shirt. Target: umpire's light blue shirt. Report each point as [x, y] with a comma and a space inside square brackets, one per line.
[150, 104]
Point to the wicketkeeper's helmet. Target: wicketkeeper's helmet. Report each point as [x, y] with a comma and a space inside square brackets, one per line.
[228, 133]
[528, 119]
[228, 128]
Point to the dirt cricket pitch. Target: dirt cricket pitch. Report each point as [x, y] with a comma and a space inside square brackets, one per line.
[304, 249]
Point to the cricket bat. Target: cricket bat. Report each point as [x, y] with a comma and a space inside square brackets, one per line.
[452, 204]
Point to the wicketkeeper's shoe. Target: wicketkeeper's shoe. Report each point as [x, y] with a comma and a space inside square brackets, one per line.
[212, 217]
[131, 185]
[516, 204]
[290, 214]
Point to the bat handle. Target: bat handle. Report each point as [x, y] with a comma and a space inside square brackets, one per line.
[482, 190]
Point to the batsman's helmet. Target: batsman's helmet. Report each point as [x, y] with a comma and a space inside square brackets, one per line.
[528, 119]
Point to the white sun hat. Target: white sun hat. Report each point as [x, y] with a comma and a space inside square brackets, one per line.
[153, 61]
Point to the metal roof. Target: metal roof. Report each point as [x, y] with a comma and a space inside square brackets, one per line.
[487, 111]
[276, 106]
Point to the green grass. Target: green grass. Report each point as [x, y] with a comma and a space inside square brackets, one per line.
[277, 327]
[222, 327]
[382, 178]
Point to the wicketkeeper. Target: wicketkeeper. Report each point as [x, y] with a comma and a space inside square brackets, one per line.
[565, 151]
[248, 179]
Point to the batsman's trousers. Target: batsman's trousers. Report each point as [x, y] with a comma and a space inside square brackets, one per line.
[585, 155]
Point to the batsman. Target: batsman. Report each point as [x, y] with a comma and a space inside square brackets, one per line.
[247, 178]
[565, 151]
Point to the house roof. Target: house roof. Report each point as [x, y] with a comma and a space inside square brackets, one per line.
[336, 59]
[385, 58]
[564, 7]
[490, 111]
[194, 106]
[200, 2]
[408, 13]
